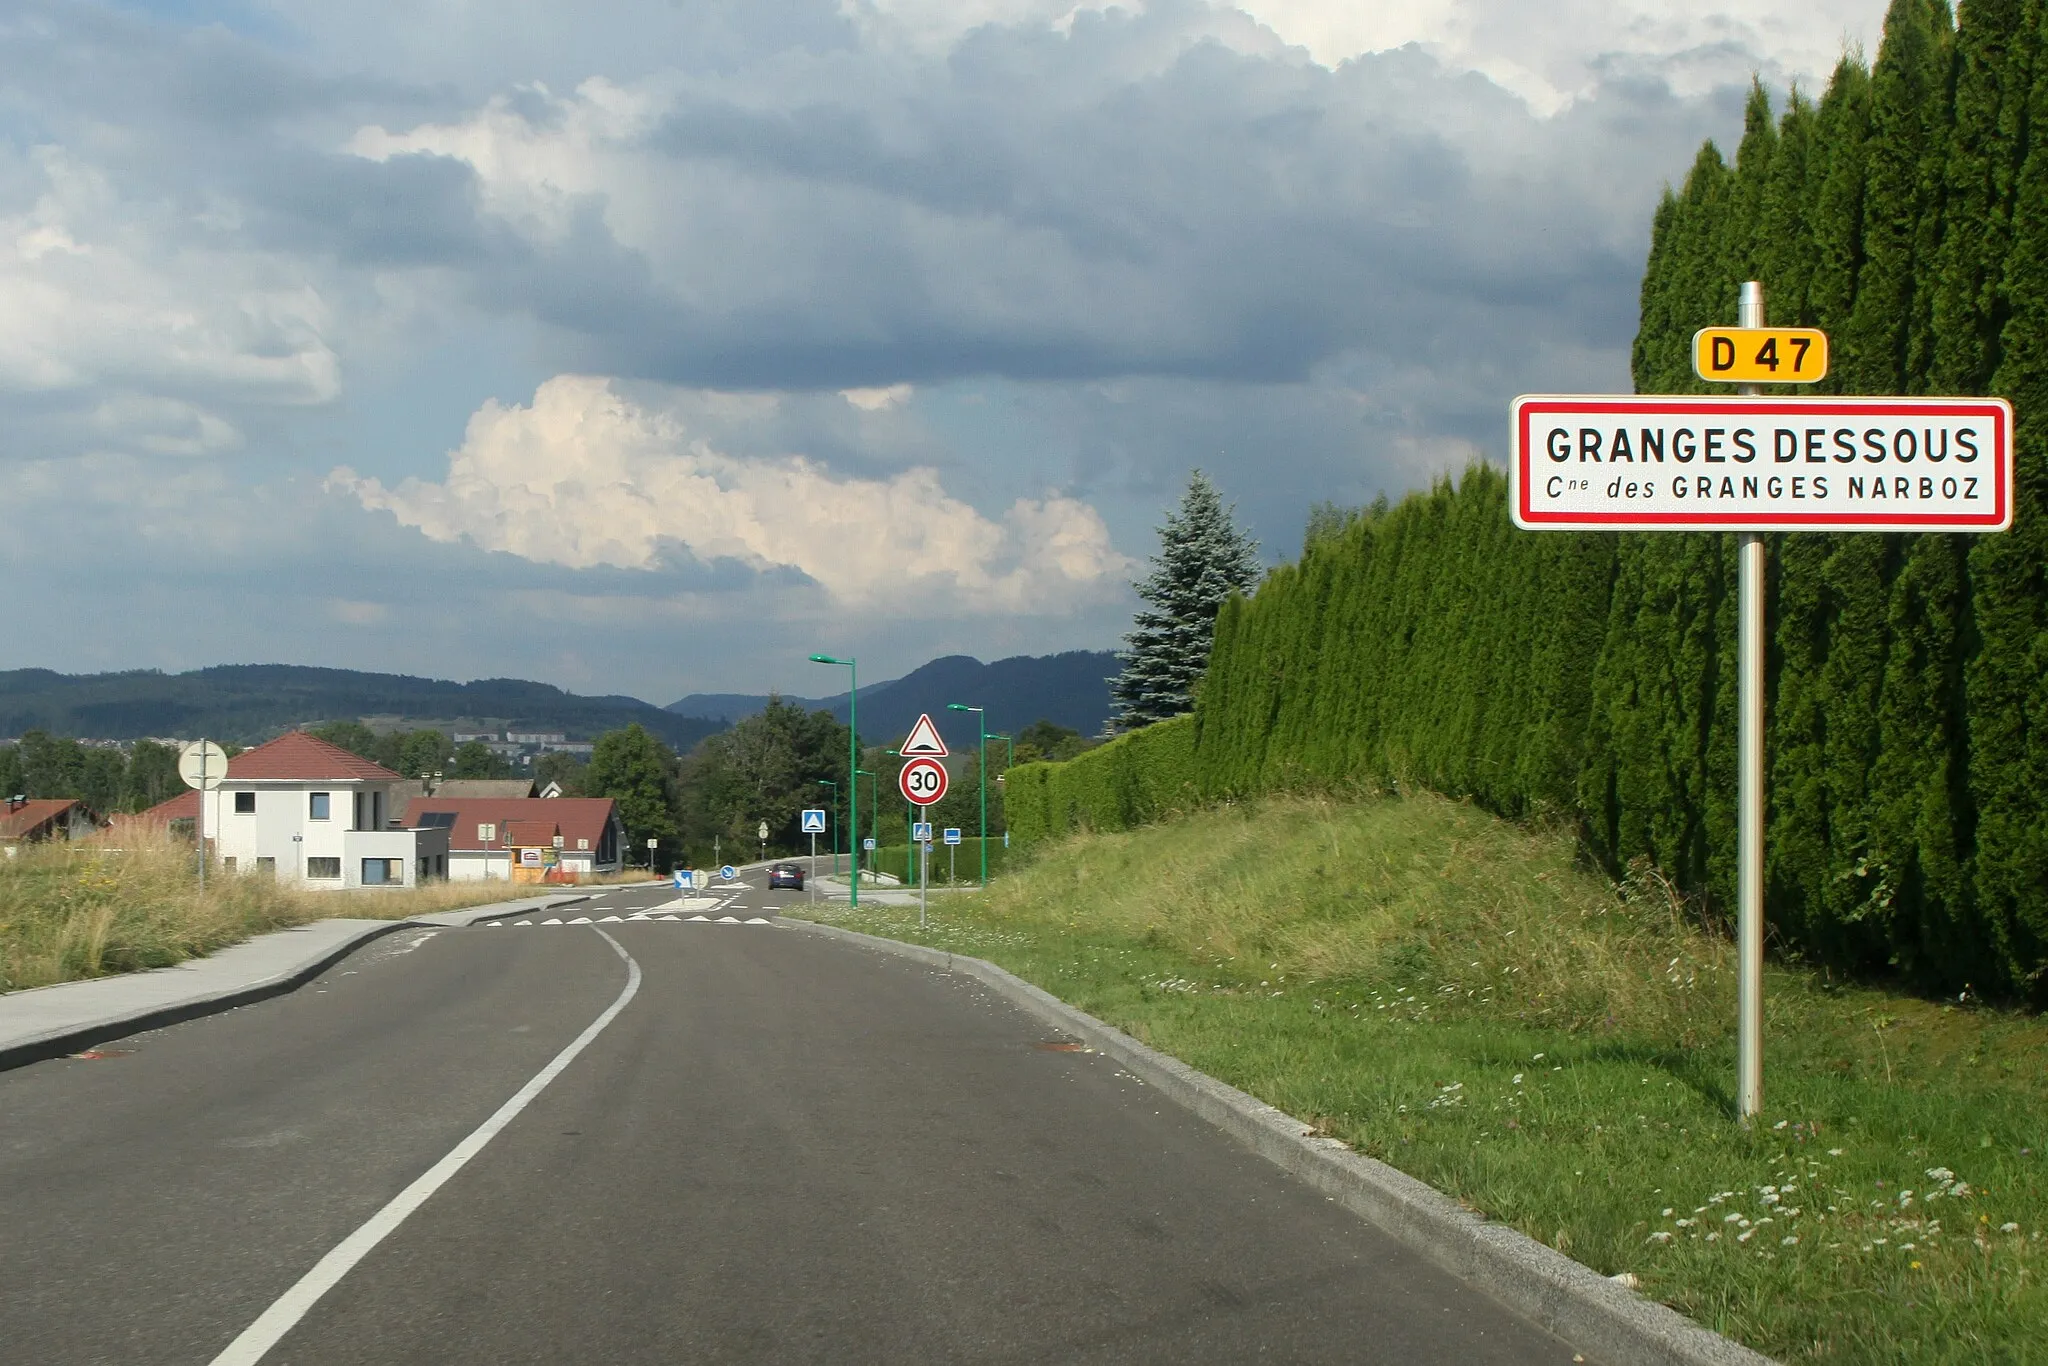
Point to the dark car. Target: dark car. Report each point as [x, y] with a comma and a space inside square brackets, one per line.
[789, 875]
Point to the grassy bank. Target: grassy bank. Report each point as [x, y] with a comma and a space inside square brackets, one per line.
[71, 911]
[1460, 998]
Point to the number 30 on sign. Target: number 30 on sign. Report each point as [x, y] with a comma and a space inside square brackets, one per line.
[923, 782]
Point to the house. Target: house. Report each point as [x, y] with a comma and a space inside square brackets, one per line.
[31, 821]
[465, 787]
[490, 837]
[179, 816]
[311, 812]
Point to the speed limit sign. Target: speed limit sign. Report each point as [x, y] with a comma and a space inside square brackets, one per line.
[923, 782]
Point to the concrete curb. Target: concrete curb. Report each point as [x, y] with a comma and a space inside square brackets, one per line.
[54, 1021]
[1593, 1314]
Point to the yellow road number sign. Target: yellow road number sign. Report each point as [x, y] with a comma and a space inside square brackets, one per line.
[1760, 355]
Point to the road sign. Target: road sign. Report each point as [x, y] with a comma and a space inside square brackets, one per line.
[952, 834]
[923, 782]
[868, 845]
[924, 741]
[728, 872]
[921, 831]
[1760, 355]
[814, 821]
[764, 831]
[1649, 463]
[685, 879]
[203, 764]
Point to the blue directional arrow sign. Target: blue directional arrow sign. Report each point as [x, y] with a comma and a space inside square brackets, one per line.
[728, 872]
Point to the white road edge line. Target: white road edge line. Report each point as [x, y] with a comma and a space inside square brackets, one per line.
[271, 1326]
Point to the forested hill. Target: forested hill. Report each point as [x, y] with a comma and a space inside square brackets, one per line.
[247, 703]
[1069, 689]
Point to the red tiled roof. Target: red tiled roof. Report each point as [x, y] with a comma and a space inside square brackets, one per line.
[183, 807]
[297, 756]
[29, 819]
[579, 818]
[527, 834]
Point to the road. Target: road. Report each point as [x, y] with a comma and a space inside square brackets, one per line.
[771, 1146]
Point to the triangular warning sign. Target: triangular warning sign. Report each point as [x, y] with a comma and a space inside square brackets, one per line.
[924, 741]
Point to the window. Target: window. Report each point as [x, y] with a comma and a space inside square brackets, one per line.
[316, 806]
[228, 863]
[323, 869]
[437, 820]
[245, 803]
[359, 813]
[381, 872]
[266, 865]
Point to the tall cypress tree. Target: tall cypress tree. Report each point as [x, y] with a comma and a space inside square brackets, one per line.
[1203, 558]
[1909, 107]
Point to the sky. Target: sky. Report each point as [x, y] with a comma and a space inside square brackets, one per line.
[649, 346]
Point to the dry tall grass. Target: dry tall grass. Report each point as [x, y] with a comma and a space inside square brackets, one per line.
[121, 904]
[1421, 897]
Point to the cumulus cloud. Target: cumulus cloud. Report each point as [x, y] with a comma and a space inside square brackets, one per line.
[584, 477]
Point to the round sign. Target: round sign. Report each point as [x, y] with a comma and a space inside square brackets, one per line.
[923, 782]
[203, 764]
[728, 872]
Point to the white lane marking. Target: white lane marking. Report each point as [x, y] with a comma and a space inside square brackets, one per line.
[697, 917]
[640, 916]
[493, 925]
[271, 1326]
[757, 920]
[521, 922]
[728, 920]
[608, 920]
[581, 920]
[552, 920]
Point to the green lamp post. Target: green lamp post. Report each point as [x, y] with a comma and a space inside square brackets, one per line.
[981, 722]
[852, 759]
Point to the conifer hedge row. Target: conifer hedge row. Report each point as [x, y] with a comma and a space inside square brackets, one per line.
[1594, 675]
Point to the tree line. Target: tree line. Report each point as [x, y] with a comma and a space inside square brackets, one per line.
[1593, 676]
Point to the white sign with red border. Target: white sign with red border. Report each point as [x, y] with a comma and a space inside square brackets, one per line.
[922, 781]
[1679, 463]
[924, 741]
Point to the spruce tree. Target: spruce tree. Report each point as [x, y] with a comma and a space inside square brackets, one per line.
[1203, 558]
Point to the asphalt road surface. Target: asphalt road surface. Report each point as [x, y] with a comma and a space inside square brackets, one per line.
[770, 1147]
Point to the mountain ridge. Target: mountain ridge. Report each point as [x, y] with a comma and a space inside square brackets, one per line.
[1069, 689]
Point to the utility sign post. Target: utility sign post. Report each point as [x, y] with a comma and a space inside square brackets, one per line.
[952, 852]
[1751, 464]
[203, 765]
[814, 826]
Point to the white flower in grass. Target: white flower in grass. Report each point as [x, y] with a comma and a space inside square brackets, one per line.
[2008, 1228]
[1788, 1240]
[1660, 1236]
[1836, 1152]
[1745, 1235]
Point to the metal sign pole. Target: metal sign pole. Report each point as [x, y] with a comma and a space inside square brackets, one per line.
[202, 818]
[1749, 874]
[924, 864]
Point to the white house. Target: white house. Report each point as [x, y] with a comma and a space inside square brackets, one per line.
[307, 811]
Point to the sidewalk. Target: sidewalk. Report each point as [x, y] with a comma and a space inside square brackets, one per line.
[50, 1022]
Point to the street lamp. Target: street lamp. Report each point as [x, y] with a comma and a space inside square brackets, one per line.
[852, 759]
[874, 826]
[909, 844]
[827, 782]
[981, 722]
[1009, 762]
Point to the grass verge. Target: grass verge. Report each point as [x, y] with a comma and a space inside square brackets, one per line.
[1457, 997]
[91, 908]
